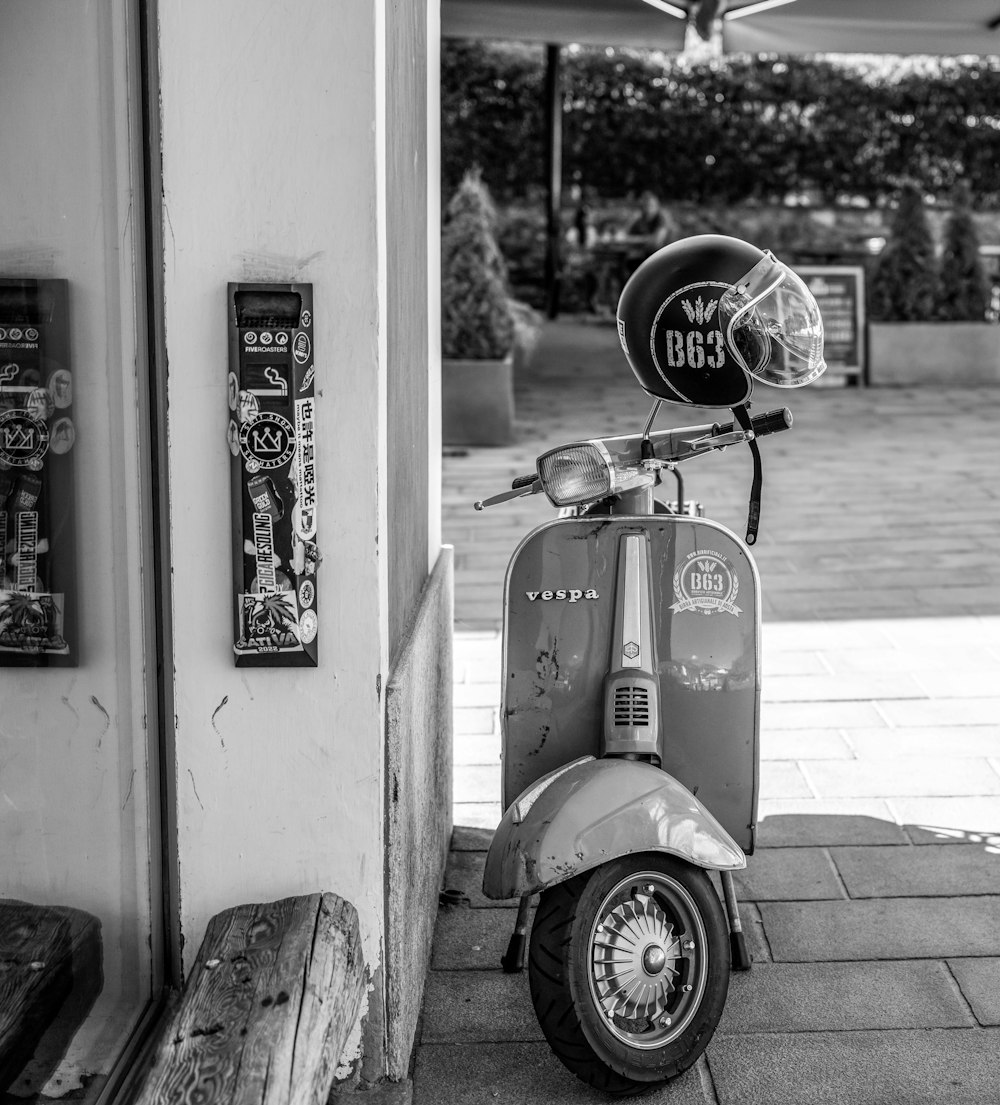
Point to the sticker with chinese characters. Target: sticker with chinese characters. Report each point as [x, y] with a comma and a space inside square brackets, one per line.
[305, 469]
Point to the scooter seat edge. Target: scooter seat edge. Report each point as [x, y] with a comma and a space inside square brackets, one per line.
[593, 811]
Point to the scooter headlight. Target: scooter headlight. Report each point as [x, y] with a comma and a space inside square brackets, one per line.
[579, 473]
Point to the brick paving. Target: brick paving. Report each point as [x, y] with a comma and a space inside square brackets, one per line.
[873, 904]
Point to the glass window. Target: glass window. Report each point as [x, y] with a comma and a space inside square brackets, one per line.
[79, 874]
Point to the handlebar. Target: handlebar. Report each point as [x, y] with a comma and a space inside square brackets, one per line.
[663, 449]
[688, 441]
[771, 422]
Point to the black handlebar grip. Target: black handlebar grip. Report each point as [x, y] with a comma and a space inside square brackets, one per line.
[523, 481]
[772, 422]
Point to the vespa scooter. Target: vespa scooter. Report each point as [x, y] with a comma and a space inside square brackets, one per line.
[630, 720]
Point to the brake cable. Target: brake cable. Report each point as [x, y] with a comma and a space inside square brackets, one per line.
[742, 414]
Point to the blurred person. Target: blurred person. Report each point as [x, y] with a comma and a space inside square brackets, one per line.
[583, 225]
[619, 253]
[652, 228]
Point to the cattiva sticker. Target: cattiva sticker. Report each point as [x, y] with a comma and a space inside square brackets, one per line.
[268, 623]
[707, 584]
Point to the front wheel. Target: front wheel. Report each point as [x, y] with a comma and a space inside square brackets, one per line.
[629, 970]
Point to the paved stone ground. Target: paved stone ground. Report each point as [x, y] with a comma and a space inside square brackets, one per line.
[873, 903]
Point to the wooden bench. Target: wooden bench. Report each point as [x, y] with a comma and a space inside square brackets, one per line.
[50, 974]
[265, 1014]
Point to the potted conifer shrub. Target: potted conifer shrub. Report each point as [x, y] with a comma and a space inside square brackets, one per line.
[928, 317]
[478, 324]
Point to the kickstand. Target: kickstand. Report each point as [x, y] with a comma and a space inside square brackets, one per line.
[513, 961]
[737, 941]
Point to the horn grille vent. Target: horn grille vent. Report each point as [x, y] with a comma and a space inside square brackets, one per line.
[631, 706]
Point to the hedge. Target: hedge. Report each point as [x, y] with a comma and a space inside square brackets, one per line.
[743, 128]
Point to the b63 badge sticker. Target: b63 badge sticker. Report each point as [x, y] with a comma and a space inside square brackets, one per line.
[706, 584]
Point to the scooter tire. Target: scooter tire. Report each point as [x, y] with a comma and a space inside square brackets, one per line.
[574, 1005]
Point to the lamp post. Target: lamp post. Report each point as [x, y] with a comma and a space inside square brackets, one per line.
[553, 176]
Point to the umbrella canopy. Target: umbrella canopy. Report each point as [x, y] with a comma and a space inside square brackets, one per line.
[799, 26]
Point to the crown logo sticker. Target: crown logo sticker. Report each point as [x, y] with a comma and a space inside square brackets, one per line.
[24, 440]
[699, 311]
[267, 442]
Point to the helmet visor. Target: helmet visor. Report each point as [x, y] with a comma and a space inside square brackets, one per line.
[773, 325]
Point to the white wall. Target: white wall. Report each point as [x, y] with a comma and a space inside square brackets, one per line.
[269, 140]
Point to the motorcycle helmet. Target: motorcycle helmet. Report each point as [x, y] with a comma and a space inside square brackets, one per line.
[703, 317]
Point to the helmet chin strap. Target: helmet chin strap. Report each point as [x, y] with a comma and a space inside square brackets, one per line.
[742, 414]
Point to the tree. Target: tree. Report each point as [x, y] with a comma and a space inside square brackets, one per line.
[477, 322]
[963, 289]
[904, 283]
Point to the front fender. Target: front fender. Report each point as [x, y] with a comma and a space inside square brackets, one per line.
[595, 811]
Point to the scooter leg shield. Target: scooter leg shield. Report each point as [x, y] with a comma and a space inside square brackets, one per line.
[593, 811]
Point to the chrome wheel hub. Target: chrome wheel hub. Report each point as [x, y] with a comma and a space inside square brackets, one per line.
[634, 959]
[654, 959]
[647, 960]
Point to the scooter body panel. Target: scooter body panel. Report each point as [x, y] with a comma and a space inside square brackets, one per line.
[558, 627]
[597, 811]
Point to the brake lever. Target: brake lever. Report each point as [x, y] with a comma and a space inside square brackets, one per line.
[505, 496]
[720, 441]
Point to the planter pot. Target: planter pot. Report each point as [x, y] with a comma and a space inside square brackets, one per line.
[522, 357]
[477, 400]
[940, 353]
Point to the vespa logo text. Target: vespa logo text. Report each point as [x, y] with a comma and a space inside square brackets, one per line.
[573, 595]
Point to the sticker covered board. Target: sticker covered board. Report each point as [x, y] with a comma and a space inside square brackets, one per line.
[271, 437]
